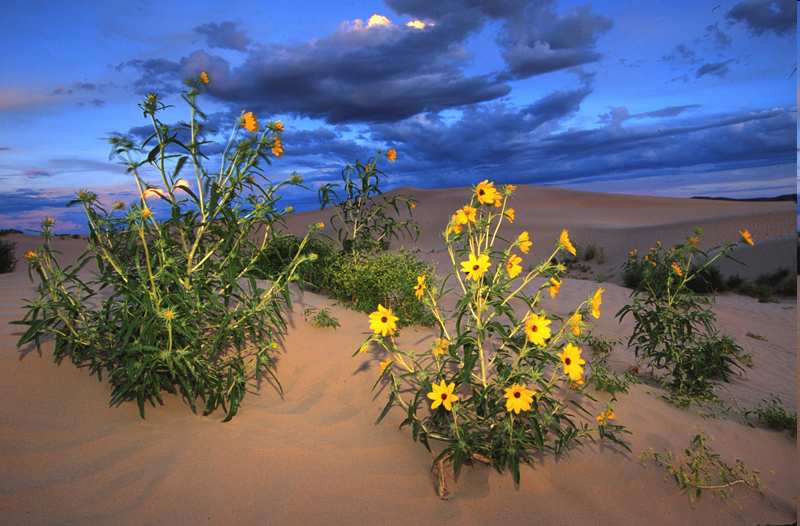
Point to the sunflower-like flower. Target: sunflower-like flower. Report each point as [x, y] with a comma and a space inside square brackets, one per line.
[419, 289]
[442, 394]
[485, 192]
[510, 189]
[454, 228]
[597, 300]
[606, 416]
[391, 154]
[383, 321]
[147, 213]
[249, 122]
[204, 77]
[30, 256]
[277, 126]
[518, 398]
[277, 147]
[525, 243]
[677, 269]
[555, 287]
[509, 214]
[476, 266]
[467, 214]
[746, 236]
[572, 362]
[440, 346]
[537, 329]
[513, 267]
[168, 314]
[412, 205]
[565, 242]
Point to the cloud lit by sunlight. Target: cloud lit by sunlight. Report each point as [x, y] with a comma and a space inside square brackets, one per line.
[416, 24]
[378, 20]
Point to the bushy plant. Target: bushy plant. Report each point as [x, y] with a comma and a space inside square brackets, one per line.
[8, 261]
[321, 318]
[481, 391]
[365, 218]
[601, 376]
[772, 413]
[175, 305]
[702, 469]
[674, 327]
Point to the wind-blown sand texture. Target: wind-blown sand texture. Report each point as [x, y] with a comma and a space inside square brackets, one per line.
[316, 457]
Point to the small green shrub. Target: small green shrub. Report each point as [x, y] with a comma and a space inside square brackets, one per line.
[321, 318]
[589, 252]
[387, 278]
[773, 414]
[702, 469]
[601, 376]
[365, 218]
[8, 260]
[674, 328]
[313, 275]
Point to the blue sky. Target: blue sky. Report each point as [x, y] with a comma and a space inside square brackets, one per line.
[663, 97]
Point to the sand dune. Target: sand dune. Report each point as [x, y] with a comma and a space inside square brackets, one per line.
[316, 457]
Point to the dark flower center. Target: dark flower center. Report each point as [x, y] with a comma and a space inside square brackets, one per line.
[481, 191]
[567, 361]
[384, 319]
[475, 267]
[534, 328]
[517, 394]
[444, 396]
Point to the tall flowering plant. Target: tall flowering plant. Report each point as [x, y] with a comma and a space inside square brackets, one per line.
[175, 305]
[503, 380]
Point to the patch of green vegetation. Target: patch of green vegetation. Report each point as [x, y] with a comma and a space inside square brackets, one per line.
[773, 414]
[701, 469]
[8, 260]
[601, 376]
[321, 318]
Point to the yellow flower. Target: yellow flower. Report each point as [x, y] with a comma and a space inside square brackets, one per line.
[575, 323]
[513, 267]
[476, 267]
[597, 300]
[169, 314]
[30, 256]
[518, 398]
[442, 394]
[605, 417]
[525, 242]
[572, 362]
[391, 154]
[440, 346]
[555, 287]
[633, 253]
[249, 122]
[204, 77]
[509, 213]
[118, 205]
[277, 147]
[677, 269]
[454, 227]
[385, 364]
[564, 241]
[277, 126]
[498, 199]
[412, 205]
[485, 192]
[419, 290]
[146, 213]
[537, 328]
[510, 189]
[467, 214]
[746, 236]
[320, 225]
[383, 321]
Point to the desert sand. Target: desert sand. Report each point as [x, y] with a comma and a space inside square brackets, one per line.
[315, 455]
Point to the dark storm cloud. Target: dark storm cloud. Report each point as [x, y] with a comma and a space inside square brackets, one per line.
[718, 69]
[534, 39]
[225, 35]
[765, 16]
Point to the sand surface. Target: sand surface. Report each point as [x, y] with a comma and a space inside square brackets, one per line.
[316, 457]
